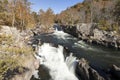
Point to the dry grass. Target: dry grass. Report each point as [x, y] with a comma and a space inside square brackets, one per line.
[12, 55]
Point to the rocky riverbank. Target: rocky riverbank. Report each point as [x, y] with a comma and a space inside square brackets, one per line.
[91, 33]
[86, 71]
[17, 61]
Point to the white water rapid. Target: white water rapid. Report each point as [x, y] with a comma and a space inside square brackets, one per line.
[53, 59]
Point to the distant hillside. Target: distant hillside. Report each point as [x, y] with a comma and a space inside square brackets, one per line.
[103, 12]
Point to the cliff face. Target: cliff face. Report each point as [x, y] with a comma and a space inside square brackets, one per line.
[91, 33]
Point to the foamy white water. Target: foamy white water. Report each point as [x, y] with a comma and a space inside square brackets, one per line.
[35, 74]
[71, 63]
[53, 59]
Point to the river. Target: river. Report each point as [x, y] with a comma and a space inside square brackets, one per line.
[98, 56]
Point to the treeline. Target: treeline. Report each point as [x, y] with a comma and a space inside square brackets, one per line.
[106, 13]
[44, 19]
[16, 13]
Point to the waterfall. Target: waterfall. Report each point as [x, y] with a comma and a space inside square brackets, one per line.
[53, 59]
[56, 29]
[71, 63]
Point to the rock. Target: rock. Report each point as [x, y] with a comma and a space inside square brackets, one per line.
[85, 29]
[36, 64]
[115, 71]
[70, 30]
[28, 63]
[82, 70]
[98, 35]
[32, 65]
[85, 72]
[89, 32]
[94, 75]
[41, 29]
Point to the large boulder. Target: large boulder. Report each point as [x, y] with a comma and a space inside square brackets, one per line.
[85, 29]
[91, 33]
[115, 71]
[85, 72]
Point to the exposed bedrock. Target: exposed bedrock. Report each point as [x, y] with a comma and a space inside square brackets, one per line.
[115, 71]
[85, 72]
[90, 33]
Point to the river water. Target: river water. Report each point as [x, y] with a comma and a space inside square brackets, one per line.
[98, 56]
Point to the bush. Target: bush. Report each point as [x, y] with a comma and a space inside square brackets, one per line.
[6, 39]
[12, 56]
[104, 25]
[7, 63]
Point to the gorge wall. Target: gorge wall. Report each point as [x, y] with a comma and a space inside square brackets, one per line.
[91, 33]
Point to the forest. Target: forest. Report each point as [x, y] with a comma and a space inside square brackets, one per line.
[18, 13]
[18, 39]
[103, 12]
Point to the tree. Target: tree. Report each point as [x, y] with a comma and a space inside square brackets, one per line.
[35, 16]
[16, 13]
[3, 11]
[117, 11]
[46, 18]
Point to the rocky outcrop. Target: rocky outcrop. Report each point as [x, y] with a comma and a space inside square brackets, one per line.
[85, 72]
[90, 33]
[13, 45]
[115, 71]
[40, 29]
[31, 66]
[70, 30]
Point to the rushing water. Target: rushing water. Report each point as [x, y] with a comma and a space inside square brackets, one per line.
[53, 59]
[97, 55]
[60, 69]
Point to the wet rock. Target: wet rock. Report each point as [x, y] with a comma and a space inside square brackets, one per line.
[115, 71]
[94, 75]
[72, 30]
[90, 33]
[85, 72]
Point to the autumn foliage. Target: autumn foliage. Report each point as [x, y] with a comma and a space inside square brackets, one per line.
[103, 12]
[16, 13]
[46, 18]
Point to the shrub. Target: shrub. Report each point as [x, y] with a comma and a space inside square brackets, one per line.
[7, 63]
[12, 56]
[104, 25]
[6, 39]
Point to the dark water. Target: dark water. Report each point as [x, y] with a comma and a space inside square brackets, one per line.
[99, 56]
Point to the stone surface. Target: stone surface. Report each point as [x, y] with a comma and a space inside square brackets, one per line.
[115, 71]
[85, 72]
[90, 33]
[28, 61]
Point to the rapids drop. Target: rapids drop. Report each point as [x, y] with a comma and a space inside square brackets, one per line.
[53, 59]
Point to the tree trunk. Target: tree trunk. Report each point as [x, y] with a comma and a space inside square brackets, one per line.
[13, 21]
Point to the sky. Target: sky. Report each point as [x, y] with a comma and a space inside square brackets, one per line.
[56, 5]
